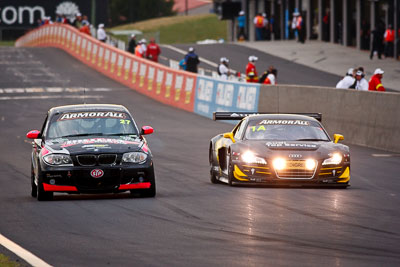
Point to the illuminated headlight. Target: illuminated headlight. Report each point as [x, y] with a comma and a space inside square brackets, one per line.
[249, 157]
[279, 164]
[134, 157]
[310, 164]
[335, 159]
[57, 159]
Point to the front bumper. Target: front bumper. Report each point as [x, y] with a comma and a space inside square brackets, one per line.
[265, 174]
[76, 179]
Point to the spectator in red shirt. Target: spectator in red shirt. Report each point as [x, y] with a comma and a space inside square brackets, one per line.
[153, 51]
[375, 83]
[251, 72]
[85, 28]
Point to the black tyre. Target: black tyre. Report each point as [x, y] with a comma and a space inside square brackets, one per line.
[41, 194]
[213, 177]
[33, 185]
[230, 173]
[151, 192]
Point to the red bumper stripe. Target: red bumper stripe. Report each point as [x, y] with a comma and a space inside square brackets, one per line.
[59, 188]
[135, 186]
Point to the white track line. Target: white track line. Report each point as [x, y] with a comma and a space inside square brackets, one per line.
[22, 253]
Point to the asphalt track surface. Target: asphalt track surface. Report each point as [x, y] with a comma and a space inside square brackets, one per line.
[191, 221]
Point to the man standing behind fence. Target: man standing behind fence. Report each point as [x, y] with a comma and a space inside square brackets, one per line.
[153, 51]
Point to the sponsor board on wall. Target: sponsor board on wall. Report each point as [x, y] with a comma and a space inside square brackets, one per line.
[219, 95]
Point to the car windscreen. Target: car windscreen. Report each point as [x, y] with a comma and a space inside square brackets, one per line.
[91, 123]
[285, 130]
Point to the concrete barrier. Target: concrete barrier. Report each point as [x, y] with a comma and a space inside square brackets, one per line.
[365, 118]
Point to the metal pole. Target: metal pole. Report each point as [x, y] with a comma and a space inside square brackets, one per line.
[396, 30]
[332, 21]
[320, 20]
[252, 14]
[186, 7]
[309, 21]
[344, 31]
[94, 13]
[358, 24]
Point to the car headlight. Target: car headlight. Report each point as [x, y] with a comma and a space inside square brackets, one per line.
[279, 164]
[249, 157]
[134, 157]
[57, 159]
[335, 159]
[310, 164]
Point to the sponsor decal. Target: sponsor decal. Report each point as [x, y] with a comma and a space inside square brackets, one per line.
[290, 145]
[95, 146]
[295, 156]
[90, 115]
[97, 173]
[284, 122]
[98, 141]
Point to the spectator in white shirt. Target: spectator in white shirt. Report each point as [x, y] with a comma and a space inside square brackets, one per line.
[101, 33]
[347, 81]
[223, 69]
[361, 83]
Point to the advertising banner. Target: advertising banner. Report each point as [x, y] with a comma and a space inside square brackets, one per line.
[220, 95]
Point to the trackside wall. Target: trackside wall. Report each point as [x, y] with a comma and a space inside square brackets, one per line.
[364, 118]
[177, 88]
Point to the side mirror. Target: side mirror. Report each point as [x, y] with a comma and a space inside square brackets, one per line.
[337, 138]
[34, 134]
[147, 130]
[230, 136]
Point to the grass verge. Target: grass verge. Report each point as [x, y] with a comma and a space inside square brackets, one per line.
[180, 29]
[7, 43]
[6, 262]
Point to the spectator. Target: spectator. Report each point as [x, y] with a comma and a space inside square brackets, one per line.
[259, 24]
[389, 41]
[132, 44]
[59, 18]
[223, 69]
[300, 28]
[241, 26]
[85, 28]
[347, 81]
[101, 33]
[191, 61]
[294, 23]
[153, 51]
[143, 44]
[139, 50]
[326, 26]
[251, 71]
[269, 76]
[377, 43]
[78, 21]
[375, 83]
[360, 82]
[85, 19]
[182, 65]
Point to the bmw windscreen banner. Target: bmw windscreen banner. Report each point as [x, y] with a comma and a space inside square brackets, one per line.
[26, 13]
[219, 95]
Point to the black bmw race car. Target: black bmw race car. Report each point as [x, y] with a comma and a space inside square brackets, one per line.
[91, 149]
[278, 149]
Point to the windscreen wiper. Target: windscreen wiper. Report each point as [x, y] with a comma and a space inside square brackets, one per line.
[312, 139]
[85, 134]
[117, 134]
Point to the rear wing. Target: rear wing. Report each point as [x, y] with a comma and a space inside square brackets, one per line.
[240, 115]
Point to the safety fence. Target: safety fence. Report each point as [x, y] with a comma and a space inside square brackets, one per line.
[181, 89]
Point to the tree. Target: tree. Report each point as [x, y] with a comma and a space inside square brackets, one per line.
[127, 11]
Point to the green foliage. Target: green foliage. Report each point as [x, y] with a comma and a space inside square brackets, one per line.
[6, 262]
[125, 11]
[179, 29]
